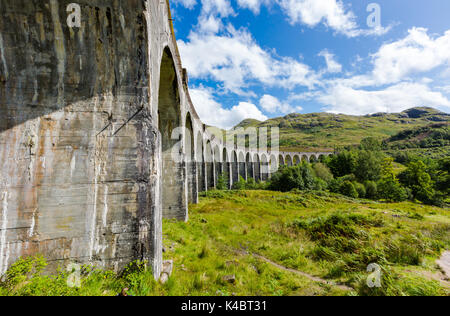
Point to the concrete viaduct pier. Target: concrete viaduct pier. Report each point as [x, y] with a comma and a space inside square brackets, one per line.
[99, 139]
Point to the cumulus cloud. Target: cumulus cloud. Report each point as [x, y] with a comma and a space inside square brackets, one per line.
[212, 113]
[189, 4]
[332, 13]
[396, 98]
[416, 53]
[235, 60]
[332, 65]
[253, 5]
[272, 105]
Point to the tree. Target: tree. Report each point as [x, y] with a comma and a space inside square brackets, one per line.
[296, 177]
[368, 165]
[371, 144]
[389, 187]
[419, 181]
[443, 176]
[322, 172]
[343, 163]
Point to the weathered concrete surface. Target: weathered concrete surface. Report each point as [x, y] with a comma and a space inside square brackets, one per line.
[99, 138]
[78, 147]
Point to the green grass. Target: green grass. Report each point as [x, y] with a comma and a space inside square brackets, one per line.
[325, 131]
[324, 235]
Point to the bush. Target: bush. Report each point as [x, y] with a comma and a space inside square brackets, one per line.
[371, 190]
[240, 185]
[322, 172]
[222, 182]
[348, 189]
[296, 177]
[361, 189]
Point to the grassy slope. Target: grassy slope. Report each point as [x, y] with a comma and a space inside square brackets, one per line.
[226, 228]
[324, 131]
[222, 225]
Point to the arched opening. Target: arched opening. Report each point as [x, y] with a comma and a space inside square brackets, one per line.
[226, 167]
[191, 166]
[209, 155]
[297, 160]
[217, 164]
[249, 165]
[234, 168]
[174, 204]
[288, 161]
[257, 168]
[313, 158]
[201, 163]
[242, 166]
[281, 160]
[264, 167]
[322, 158]
[305, 158]
[273, 165]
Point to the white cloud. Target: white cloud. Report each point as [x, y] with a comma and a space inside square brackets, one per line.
[189, 4]
[402, 60]
[344, 99]
[211, 15]
[416, 53]
[236, 60]
[332, 65]
[332, 13]
[212, 113]
[253, 5]
[272, 105]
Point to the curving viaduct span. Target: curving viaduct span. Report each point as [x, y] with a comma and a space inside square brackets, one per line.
[94, 109]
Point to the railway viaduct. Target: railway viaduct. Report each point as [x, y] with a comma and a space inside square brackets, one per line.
[99, 139]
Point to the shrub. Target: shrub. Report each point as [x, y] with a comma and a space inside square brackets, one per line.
[348, 189]
[361, 189]
[322, 172]
[222, 182]
[371, 190]
[296, 177]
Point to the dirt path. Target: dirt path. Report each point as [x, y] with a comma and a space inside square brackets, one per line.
[444, 264]
[306, 275]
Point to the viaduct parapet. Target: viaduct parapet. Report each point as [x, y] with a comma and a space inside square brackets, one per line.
[91, 93]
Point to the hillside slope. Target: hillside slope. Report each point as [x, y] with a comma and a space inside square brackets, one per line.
[326, 131]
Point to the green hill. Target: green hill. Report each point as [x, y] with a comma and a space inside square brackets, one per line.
[326, 131]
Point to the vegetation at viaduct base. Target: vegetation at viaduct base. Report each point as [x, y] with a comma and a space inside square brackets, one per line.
[254, 242]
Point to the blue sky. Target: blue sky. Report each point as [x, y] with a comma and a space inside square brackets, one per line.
[267, 58]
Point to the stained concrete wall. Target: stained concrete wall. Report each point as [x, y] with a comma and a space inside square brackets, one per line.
[78, 145]
[93, 140]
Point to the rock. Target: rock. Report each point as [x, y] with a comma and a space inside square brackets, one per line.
[204, 221]
[164, 278]
[168, 267]
[230, 279]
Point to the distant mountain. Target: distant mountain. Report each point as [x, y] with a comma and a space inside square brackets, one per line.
[326, 131]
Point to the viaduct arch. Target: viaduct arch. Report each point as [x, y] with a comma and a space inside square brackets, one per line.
[98, 148]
